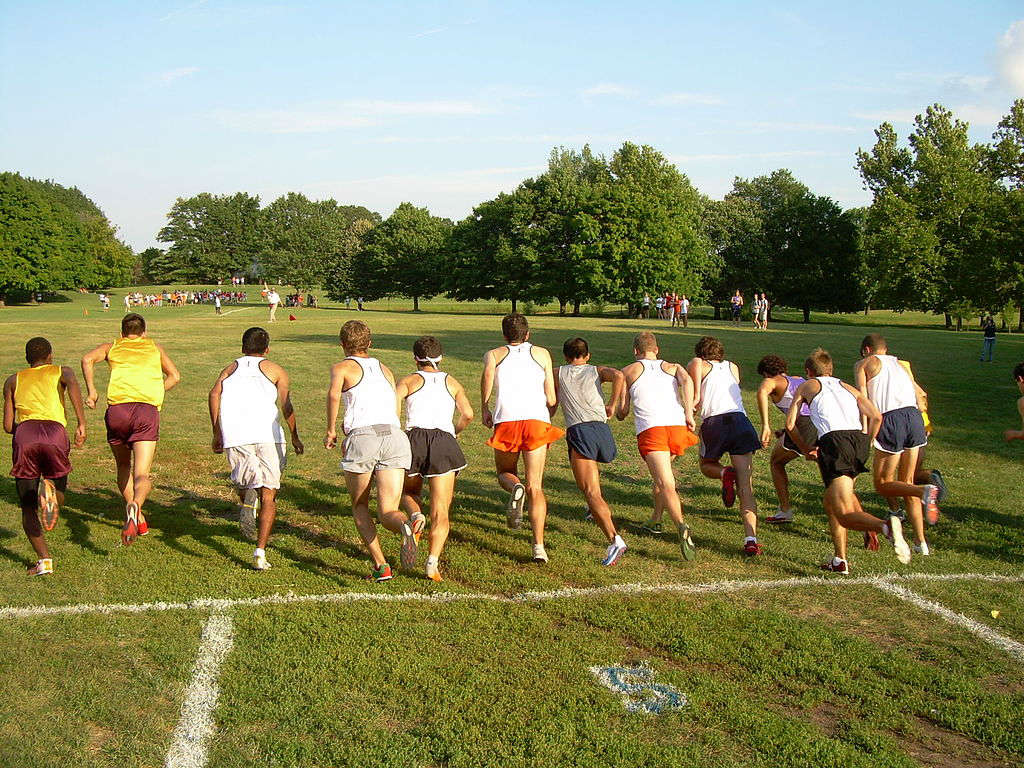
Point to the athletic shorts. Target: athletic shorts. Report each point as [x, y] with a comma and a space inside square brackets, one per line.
[730, 433]
[591, 440]
[842, 453]
[674, 439]
[901, 429]
[382, 446]
[40, 449]
[129, 423]
[435, 452]
[528, 435]
[736, 311]
[808, 433]
[258, 465]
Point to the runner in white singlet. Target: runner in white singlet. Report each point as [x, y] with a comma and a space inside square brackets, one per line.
[837, 411]
[891, 388]
[725, 429]
[375, 448]
[521, 420]
[244, 413]
[431, 398]
[661, 395]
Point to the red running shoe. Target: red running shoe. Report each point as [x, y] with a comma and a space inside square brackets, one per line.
[729, 486]
[870, 541]
[832, 566]
[930, 503]
[143, 525]
[130, 529]
[751, 548]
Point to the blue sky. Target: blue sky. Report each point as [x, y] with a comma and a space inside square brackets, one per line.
[447, 104]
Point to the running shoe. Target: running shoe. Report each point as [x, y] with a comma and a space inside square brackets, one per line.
[381, 572]
[42, 567]
[686, 545]
[898, 542]
[751, 548]
[248, 513]
[47, 502]
[729, 486]
[433, 573]
[939, 482]
[870, 541]
[922, 549]
[930, 503]
[409, 547]
[587, 514]
[516, 502]
[652, 527]
[417, 522]
[130, 529]
[614, 551]
[259, 561]
[832, 566]
[539, 555]
[781, 516]
[143, 525]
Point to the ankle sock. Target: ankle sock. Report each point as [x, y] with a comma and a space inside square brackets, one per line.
[431, 561]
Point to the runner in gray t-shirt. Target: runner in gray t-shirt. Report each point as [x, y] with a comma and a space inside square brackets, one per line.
[578, 387]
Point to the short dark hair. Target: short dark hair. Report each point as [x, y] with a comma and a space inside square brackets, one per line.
[255, 341]
[771, 365]
[426, 346]
[819, 363]
[355, 336]
[37, 349]
[133, 324]
[709, 348]
[874, 342]
[514, 327]
[1018, 371]
[574, 349]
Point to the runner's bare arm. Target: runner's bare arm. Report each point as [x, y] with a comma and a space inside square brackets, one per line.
[804, 394]
[213, 401]
[1010, 434]
[89, 361]
[462, 403]
[618, 380]
[171, 375]
[625, 402]
[763, 408]
[70, 382]
[696, 370]
[9, 404]
[686, 389]
[486, 388]
[334, 403]
[868, 412]
[549, 378]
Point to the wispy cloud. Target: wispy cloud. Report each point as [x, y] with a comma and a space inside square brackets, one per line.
[429, 32]
[889, 116]
[1010, 57]
[975, 114]
[683, 99]
[768, 126]
[320, 118]
[728, 157]
[607, 89]
[168, 77]
[551, 139]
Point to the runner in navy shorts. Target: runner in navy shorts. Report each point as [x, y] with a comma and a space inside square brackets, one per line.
[592, 440]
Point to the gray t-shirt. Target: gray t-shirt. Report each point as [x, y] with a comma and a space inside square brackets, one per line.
[579, 392]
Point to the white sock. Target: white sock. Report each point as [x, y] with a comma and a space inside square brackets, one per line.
[431, 561]
[837, 561]
[259, 552]
[749, 538]
[618, 541]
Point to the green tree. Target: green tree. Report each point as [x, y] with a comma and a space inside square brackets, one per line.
[214, 236]
[339, 275]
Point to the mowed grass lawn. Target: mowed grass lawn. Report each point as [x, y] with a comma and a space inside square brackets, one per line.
[808, 675]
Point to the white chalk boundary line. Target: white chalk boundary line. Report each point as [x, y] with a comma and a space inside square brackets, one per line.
[289, 598]
[986, 633]
[191, 740]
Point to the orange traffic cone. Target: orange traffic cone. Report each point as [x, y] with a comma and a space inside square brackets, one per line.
[292, 317]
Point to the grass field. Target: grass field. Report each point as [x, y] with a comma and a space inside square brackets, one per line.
[492, 667]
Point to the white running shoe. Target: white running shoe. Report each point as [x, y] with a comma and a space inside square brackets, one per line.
[922, 549]
[898, 542]
[539, 555]
[614, 552]
[409, 547]
[780, 516]
[248, 513]
[516, 502]
[259, 561]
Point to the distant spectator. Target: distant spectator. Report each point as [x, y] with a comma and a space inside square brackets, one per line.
[737, 305]
[988, 345]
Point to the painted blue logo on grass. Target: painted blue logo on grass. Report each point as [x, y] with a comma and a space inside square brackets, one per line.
[638, 690]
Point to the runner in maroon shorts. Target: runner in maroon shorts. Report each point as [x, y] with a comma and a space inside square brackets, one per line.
[34, 415]
[140, 373]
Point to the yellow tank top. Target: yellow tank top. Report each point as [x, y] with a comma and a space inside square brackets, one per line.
[38, 395]
[135, 372]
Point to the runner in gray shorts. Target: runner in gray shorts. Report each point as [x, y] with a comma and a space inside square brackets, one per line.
[381, 446]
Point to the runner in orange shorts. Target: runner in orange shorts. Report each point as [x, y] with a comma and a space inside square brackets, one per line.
[662, 397]
[521, 419]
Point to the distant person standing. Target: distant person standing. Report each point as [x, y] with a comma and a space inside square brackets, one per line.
[737, 305]
[988, 345]
[273, 299]
[762, 314]
[645, 305]
[659, 305]
[216, 303]
[684, 310]
[128, 303]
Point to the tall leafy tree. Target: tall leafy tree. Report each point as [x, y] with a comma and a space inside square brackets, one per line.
[214, 236]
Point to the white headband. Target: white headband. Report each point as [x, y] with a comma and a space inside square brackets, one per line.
[432, 360]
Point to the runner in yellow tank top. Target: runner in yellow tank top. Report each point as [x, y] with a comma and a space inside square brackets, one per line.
[34, 415]
[140, 373]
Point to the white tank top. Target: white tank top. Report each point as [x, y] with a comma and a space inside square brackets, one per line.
[432, 405]
[248, 406]
[891, 387]
[834, 408]
[719, 391]
[655, 396]
[372, 400]
[520, 382]
[792, 384]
